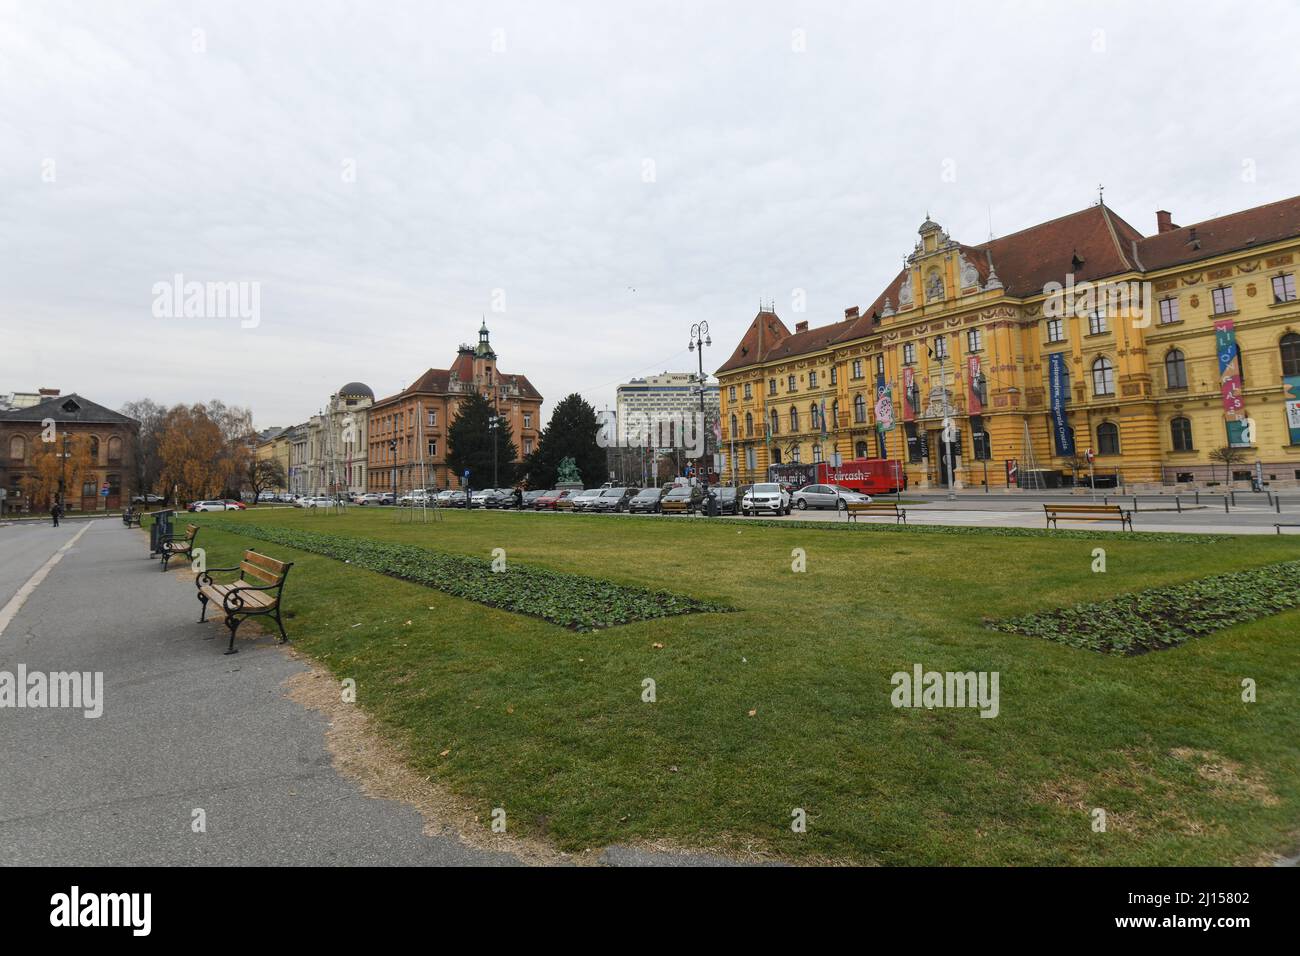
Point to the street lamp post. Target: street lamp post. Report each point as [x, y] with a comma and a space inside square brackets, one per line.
[392, 456]
[63, 474]
[700, 337]
[494, 422]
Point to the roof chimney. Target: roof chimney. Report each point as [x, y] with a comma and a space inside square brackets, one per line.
[801, 326]
[1164, 222]
[851, 312]
[48, 392]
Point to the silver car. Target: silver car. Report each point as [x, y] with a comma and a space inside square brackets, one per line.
[827, 496]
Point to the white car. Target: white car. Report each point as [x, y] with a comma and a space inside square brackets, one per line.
[317, 501]
[765, 496]
[828, 496]
[213, 506]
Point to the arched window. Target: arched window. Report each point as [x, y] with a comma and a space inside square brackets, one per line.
[835, 414]
[733, 425]
[814, 417]
[18, 448]
[817, 453]
[775, 422]
[1175, 369]
[115, 449]
[94, 449]
[1108, 438]
[1180, 433]
[1103, 377]
[749, 425]
[794, 419]
[1290, 346]
[859, 409]
[861, 449]
[794, 454]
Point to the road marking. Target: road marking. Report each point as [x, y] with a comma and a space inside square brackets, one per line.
[10, 610]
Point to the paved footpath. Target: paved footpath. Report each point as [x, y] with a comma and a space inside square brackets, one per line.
[183, 727]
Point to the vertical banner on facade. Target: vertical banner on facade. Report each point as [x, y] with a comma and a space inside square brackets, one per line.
[1056, 386]
[1013, 472]
[909, 393]
[884, 407]
[973, 404]
[1234, 403]
[1291, 401]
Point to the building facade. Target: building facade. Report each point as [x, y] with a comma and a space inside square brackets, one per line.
[1013, 361]
[336, 450]
[665, 400]
[110, 437]
[406, 437]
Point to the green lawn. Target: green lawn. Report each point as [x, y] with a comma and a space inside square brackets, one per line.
[550, 723]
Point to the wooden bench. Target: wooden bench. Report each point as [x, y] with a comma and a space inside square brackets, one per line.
[131, 518]
[1278, 527]
[675, 506]
[854, 508]
[257, 590]
[1088, 513]
[174, 546]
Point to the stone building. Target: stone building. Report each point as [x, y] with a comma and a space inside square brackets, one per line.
[112, 442]
[407, 432]
[1078, 335]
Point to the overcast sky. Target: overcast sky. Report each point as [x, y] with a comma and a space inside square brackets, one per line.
[591, 177]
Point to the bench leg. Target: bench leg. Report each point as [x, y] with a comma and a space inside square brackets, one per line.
[284, 638]
[165, 558]
[203, 600]
[232, 622]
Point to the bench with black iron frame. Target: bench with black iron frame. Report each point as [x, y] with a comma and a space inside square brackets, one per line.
[1088, 513]
[241, 598]
[176, 545]
[131, 518]
[885, 508]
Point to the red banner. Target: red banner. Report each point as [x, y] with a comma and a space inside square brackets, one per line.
[973, 404]
[909, 390]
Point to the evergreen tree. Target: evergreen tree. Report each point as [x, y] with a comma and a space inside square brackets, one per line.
[571, 433]
[469, 444]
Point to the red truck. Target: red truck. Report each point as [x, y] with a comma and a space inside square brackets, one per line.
[871, 476]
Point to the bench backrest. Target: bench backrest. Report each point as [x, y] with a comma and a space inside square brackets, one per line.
[268, 572]
[191, 530]
[873, 506]
[1096, 509]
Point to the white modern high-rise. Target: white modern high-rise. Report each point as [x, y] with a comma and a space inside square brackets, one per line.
[662, 403]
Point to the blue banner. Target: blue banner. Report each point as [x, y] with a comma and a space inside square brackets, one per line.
[1057, 385]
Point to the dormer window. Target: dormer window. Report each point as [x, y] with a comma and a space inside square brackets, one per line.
[70, 407]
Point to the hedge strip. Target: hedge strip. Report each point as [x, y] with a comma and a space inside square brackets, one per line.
[574, 601]
[1164, 617]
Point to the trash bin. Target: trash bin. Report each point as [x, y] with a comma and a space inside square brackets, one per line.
[160, 530]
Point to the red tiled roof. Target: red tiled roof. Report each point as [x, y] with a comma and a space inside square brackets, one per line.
[1238, 230]
[773, 330]
[437, 381]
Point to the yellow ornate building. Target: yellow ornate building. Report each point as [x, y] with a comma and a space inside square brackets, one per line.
[1131, 328]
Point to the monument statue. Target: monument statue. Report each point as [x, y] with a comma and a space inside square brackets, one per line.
[567, 472]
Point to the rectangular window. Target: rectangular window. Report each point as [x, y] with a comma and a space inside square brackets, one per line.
[771, 386]
[1284, 288]
[941, 347]
[1097, 322]
[1168, 310]
[528, 419]
[1055, 330]
[975, 340]
[880, 365]
[433, 448]
[731, 393]
[750, 462]
[812, 379]
[857, 368]
[433, 418]
[528, 446]
[834, 375]
[789, 387]
[1223, 300]
[749, 391]
[909, 353]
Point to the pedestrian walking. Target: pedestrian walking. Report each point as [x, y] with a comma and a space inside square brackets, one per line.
[55, 511]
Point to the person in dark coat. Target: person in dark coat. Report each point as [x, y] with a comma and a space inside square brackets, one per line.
[55, 511]
[519, 497]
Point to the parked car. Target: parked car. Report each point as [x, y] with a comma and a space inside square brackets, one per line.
[614, 499]
[693, 495]
[827, 496]
[583, 500]
[549, 499]
[417, 497]
[318, 501]
[237, 505]
[499, 498]
[646, 501]
[146, 499]
[530, 498]
[447, 498]
[765, 496]
[727, 500]
[211, 506]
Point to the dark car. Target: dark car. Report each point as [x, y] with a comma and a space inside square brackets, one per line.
[549, 499]
[499, 498]
[614, 499]
[530, 498]
[646, 501]
[727, 501]
[692, 496]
